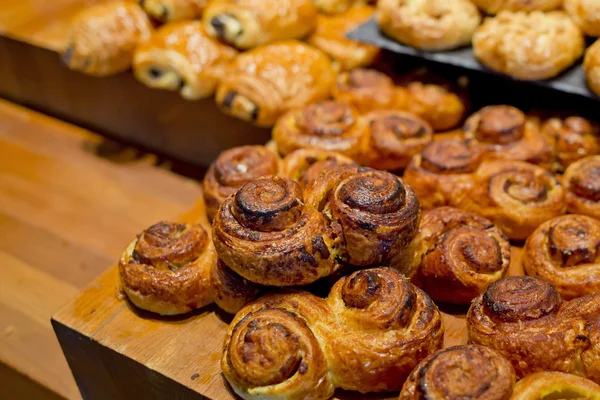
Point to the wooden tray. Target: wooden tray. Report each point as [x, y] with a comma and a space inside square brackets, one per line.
[118, 352]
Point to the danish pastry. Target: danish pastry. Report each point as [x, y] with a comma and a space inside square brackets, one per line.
[582, 185]
[495, 6]
[167, 11]
[305, 165]
[571, 139]
[591, 66]
[586, 14]
[555, 385]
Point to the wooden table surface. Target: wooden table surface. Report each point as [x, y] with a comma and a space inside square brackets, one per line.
[66, 213]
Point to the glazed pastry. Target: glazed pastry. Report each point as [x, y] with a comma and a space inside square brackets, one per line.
[369, 333]
[436, 104]
[582, 185]
[181, 56]
[174, 10]
[442, 170]
[555, 385]
[504, 133]
[330, 36]
[457, 255]
[429, 24]
[528, 46]
[232, 169]
[571, 139]
[374, 212]
[336, 6]
[249, 23]
[586, 14]
[265, 82]
[305, 165]
[103, 38]
[232, 292]
[514, 195]
[368, 90]
[461, 372]
[396, 136]
[495, 6]
[591, 66]
[565, 251]
[330, 125]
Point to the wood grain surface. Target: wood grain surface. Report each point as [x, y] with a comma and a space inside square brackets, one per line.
[67, 209]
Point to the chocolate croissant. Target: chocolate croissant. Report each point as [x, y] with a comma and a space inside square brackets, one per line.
[555, 385]
[181, 56]
[305, 165]
[167, 11]
[264, 83]
[103, 38]
[461, 372]
[369, 333]
[571, 139]
[249, 23]
[582, 185]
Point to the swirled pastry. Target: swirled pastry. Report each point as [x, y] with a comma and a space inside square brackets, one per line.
[396, 136]
[582, 185]
[461, 372]
[167, 11]
[306, 165]
[565, 251]
[329, 125]
[249, 23]
[555, 385]
[429, 24]
[444, 169]
[528, 46]
[375, 212]
[265, 82]
[495, 6]
[435, 104]
[336, 6]
[232, 169]
[181, 56]
[591, 66]
[231, 291]
[586, 14]
[103, 38]
[571, 139]
[330, 36]
[516, 196]
[373, 328]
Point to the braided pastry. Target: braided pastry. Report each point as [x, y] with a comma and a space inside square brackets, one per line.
[582, 185]
[305, 165]
[571, 139]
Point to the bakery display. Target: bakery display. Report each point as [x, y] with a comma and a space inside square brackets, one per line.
[174, 10]
[495, 6]
[555, 385]
[370, 332]
[249, 23]
[586, 14]
[571, 139]
[460, 372]
[182, 57]
[306, 165]
[582, 186]
[265, 82]
[104, 36]
[591, 66]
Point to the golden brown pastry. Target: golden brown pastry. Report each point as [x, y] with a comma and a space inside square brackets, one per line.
[565, 251]
[456, 255]
[582, 185]
[174, 10]
[181, 56]
[369, 333]
[396, 136]
[248, 23]
[103, 38]
[336, 6]
[429, 24]
[514, 195]
[436, 104]
[461, 372]
[444, 169]
[329, 125]
[232, 292]
[528, 46]
[374, 212]
[505, 133]
[265, 82]
[232, 169]
[330, 36]
[571, 139]
[591, 66]
[586, 14]
[555, 385]
[305, 165]
[495, 6]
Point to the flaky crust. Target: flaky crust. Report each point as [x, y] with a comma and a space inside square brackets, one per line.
[571, 139]
[437, 105]
[495, 6]
[461, 372]
[305, 165]
[565, 251]
[181, 56]
[559, 384]
[249, 23]
[591, 66]
[366, 336]
[167, 11]
[586, 14]
[103, 38]
[231, 291]
[264, 83]
[582, 186]
[232, 169]
[528, 46]
[429, 24]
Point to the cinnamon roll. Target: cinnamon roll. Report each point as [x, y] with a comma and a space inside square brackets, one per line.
[104, 36]
[437, 105]
[232, 169]
[396, 136]
[264, 83]
[182, 57]
[555, 385]
[505, 134]
[248, 23]
[571, 139]
[329, 125]
[305, 165]
[231, 291]
[565, 251]
[167, 11]
[516, 196]
[582, 185]
[461, 372]
[444, 169]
